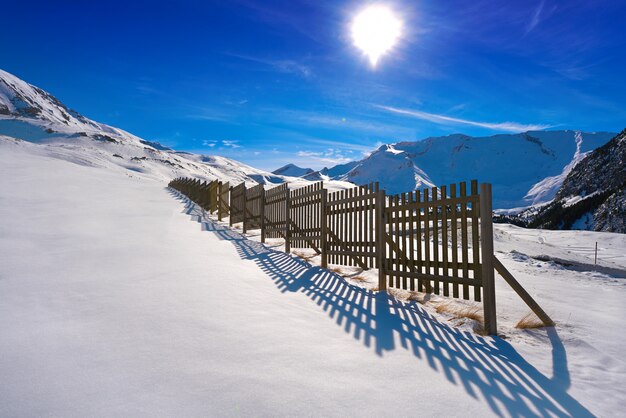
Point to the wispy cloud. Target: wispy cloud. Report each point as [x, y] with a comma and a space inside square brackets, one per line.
[330, 156]
[230, 144]
[289, 66]
[534, 21]
[448, 120]
[223, 144]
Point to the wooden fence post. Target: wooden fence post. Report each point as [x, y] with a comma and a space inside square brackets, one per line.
[486, 241]
[262, 198]
[245, 209]
[381, 245]
[323, 229]
[230, 203]
[219, 200]
[288, 223]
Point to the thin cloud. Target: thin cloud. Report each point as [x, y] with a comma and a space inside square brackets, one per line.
[534, 21]
[447, 120]
[329, 156]
[281, 65]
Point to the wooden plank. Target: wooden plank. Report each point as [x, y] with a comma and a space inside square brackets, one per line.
[381, 244]
[403, 257]
[426, 278]
[475, 240]
[418, 226]
[288, 223]
[427, 234]
[444, 237]
[435, 238]
[455, 244]
[411, 198]
[464, 241]
[347, 252]
[403, 238]
[486, 237]
[323, 229]
[519, 289]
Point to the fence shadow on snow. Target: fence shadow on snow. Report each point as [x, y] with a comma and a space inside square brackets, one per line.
[488, 368]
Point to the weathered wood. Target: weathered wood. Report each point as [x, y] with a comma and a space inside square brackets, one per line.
[305, 216]
[444, 238]
[361, 227]
[475, 239]
[402, 257]
[324, 229]
[519, 289]
[224, 200]
[464, 239]
[486, 238]
[454, 239]
[237, 204]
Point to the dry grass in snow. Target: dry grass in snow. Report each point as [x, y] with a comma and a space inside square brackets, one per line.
[530, 321]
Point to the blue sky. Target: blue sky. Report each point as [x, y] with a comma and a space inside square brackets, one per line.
[273, 82]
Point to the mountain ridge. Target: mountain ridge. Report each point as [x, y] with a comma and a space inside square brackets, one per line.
[525, 169]
[31, 116]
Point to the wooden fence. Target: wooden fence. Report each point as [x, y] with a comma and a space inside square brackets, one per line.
[305, 216]
[223, 208]
[351, 226]
[255, 197]
[437, 240]
[276, 208]
[238, 205]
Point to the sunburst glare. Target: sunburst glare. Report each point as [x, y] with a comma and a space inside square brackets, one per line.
[375, 30]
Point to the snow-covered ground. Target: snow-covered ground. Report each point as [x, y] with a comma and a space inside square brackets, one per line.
[117, 298]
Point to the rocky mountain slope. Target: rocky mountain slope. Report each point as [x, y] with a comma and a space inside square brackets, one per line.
[593, 195]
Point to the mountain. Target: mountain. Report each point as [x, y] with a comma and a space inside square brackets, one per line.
[593, 194]
[525, 169]
[36, 120]
[292, 170]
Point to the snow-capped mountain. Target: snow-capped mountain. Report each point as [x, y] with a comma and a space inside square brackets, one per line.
[32, 118]
[593, 194]
[525, 169]
[292, 170]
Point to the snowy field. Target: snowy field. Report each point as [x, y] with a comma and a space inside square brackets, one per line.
[119, 300]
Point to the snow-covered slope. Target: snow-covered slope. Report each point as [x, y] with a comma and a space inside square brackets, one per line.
[119, 299]
[292, 170]
[34, 119]
[525, 169]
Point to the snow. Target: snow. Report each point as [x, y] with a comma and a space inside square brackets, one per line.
[119, 298]
[67, 135]
[292, 170]
[547, 188]
[525, 169]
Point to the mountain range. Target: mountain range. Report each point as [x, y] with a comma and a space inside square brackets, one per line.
[525, 169]
[536, 169]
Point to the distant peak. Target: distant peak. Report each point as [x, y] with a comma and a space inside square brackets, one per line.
[292, 170]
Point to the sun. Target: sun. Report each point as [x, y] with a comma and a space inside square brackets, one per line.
[375, 30]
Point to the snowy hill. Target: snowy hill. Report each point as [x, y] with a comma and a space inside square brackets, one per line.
[118, 299]
[36, 120]
[292, 170]
[525, 169]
